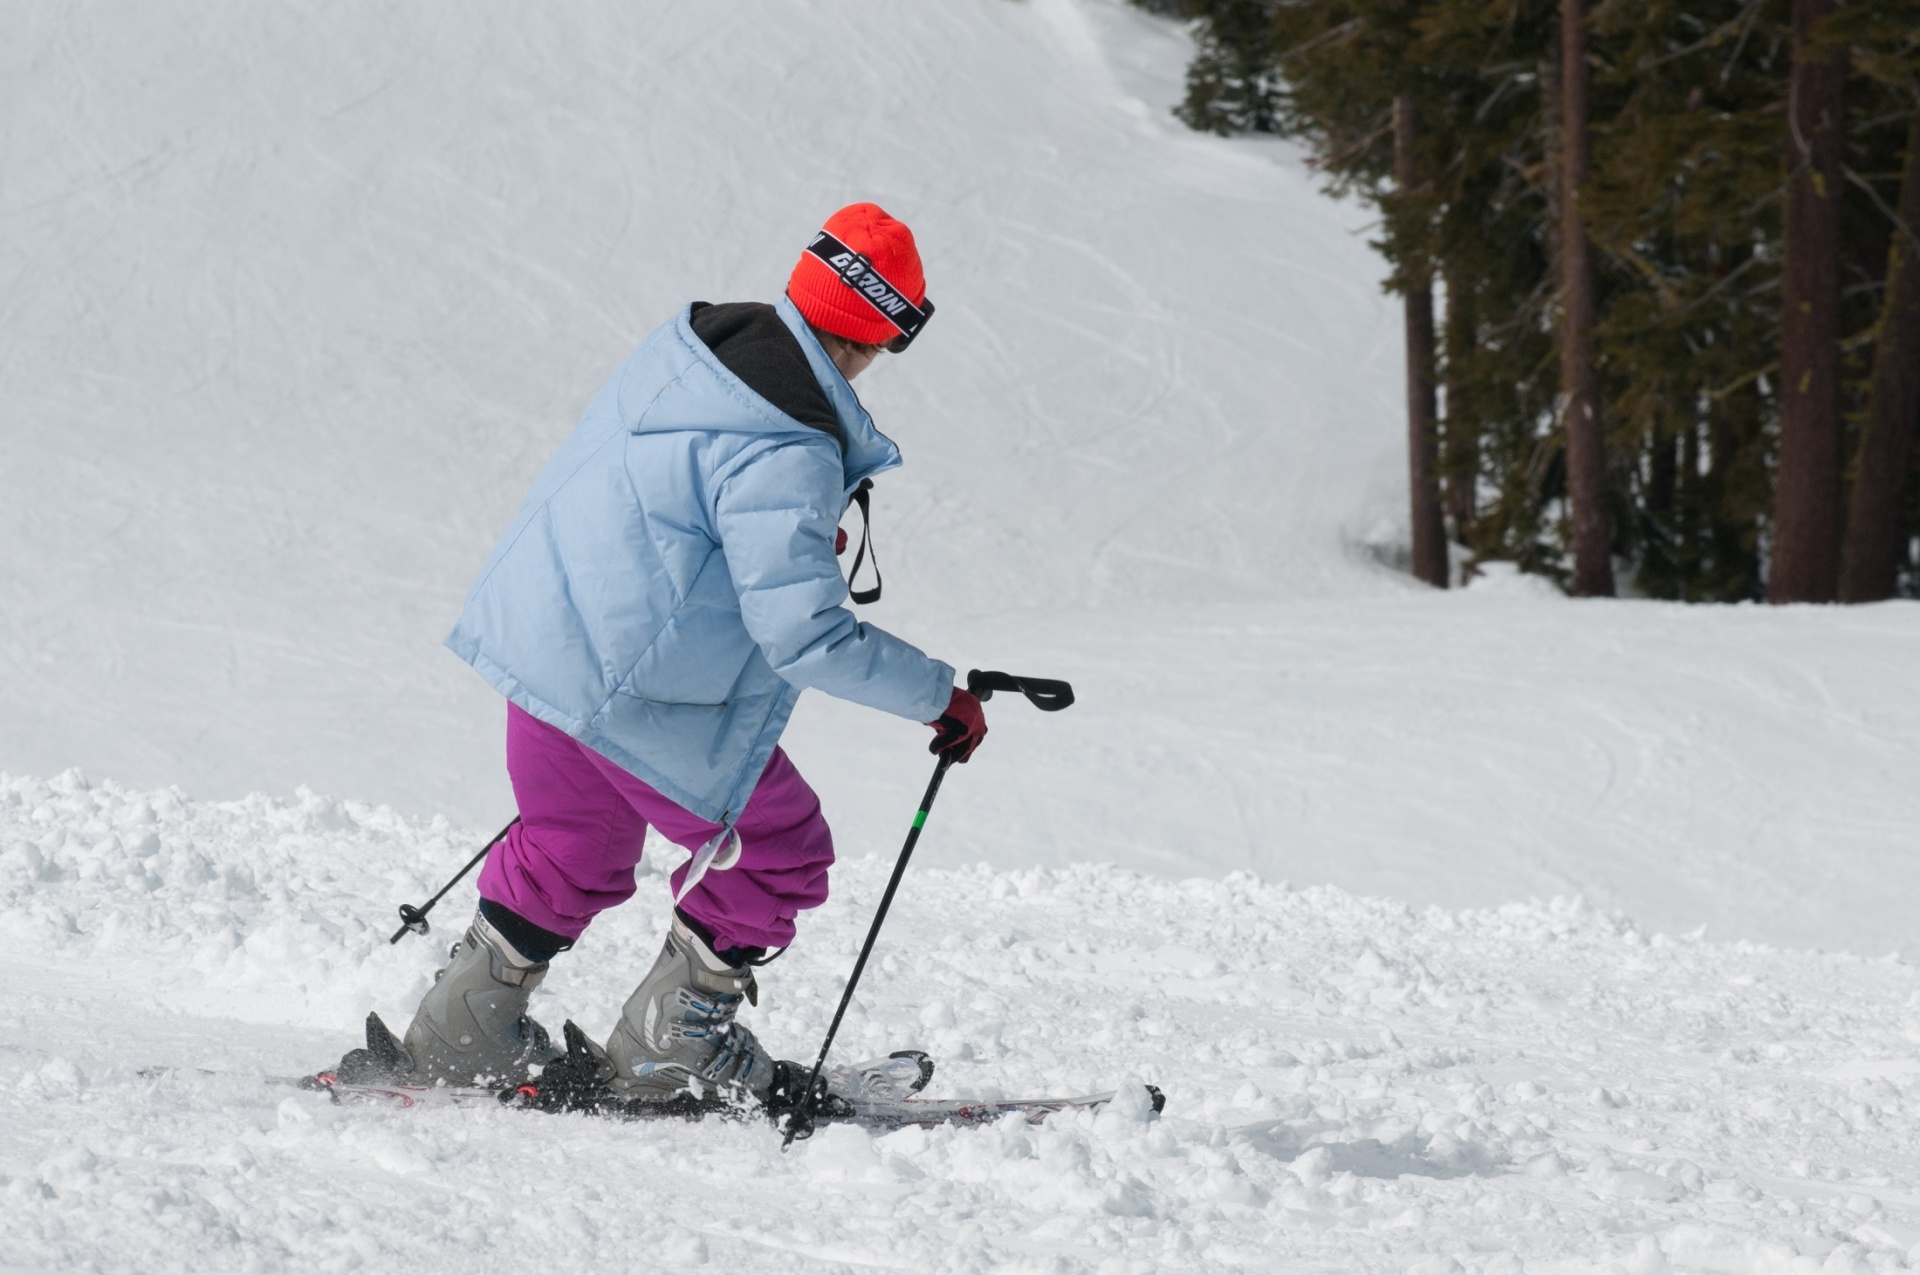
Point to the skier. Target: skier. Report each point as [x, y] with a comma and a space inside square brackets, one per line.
[651, 615]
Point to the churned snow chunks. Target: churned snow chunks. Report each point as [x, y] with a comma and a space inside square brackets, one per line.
[1349, 1081]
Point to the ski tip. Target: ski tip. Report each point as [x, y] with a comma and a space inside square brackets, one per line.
[1159, 1099]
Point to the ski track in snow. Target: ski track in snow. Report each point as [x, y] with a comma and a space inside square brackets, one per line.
[1352, 1084]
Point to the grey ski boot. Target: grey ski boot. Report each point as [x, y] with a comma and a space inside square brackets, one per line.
[677, 1034]
[473, 1028]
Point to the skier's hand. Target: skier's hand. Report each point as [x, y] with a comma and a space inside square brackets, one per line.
[839, 541]
[961, 728]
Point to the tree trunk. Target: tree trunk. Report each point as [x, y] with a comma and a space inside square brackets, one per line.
[1462, 444]
[1691, 497]
[1732, 528]
[1662, 472]
[1874, 542]
[1579, 397]
[1423, 452]
[1806, 494]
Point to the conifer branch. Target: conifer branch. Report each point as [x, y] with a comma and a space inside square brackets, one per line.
[1881, 204]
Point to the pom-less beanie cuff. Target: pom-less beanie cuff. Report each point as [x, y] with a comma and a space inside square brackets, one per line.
[830, 304]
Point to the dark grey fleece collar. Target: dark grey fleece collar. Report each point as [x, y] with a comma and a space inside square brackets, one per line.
[751, 341]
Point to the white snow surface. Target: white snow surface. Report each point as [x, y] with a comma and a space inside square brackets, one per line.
[295, 300]
[1353, 1084]
[298, 302]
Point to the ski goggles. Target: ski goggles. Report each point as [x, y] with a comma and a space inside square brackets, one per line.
[859, 274]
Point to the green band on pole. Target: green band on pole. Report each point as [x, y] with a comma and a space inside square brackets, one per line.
[920, 819]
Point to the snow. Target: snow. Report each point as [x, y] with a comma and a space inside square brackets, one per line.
[297, 302]
[1592, 953]
[1353, 1084]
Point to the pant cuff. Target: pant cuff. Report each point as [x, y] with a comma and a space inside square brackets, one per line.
[531, 941]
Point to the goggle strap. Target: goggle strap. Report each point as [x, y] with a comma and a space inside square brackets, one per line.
[858, 273]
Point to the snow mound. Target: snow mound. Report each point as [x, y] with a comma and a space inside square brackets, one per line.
[1351, 1082]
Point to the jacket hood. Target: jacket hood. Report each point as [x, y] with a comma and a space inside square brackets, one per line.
[694, 390]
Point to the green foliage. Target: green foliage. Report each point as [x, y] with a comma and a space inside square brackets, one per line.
[1231, 84]
[1684, 207]
[1478, 218]
[1683, 204]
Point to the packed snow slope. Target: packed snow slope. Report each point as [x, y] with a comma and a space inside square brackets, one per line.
[294, 302]
[297, 302]
[1353, 1085]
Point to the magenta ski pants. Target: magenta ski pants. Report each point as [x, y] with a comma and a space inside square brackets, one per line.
[583, 821]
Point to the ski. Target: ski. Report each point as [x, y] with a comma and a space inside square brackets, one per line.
[870, 1112]
[900, 1074]
[879, 1094]
[929, 1112]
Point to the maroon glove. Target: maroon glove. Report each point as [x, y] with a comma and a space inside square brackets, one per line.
[960, 729]
[839, 541]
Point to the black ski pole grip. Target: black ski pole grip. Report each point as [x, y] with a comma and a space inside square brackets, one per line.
[1047, 694]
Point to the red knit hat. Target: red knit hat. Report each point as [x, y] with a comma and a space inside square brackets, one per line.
[835, 288]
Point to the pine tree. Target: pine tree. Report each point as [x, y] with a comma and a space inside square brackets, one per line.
[1460, 446]
[1423, 451]
[1701, 308]
[1884, 514]
[1882, 473]
[1232, 86]
[1488, 223]
[1579, 386]
[1251, 74]
[1683, 209]
[1807, 490]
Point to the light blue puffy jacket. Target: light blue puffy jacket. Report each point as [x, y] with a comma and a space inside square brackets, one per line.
[670, 585]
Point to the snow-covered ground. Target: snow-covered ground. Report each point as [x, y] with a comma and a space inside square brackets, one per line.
[1353, 1084]
[294, 301]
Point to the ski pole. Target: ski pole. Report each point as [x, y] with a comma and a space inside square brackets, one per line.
[802, 1114]
[1045, 694]
[415, 918]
